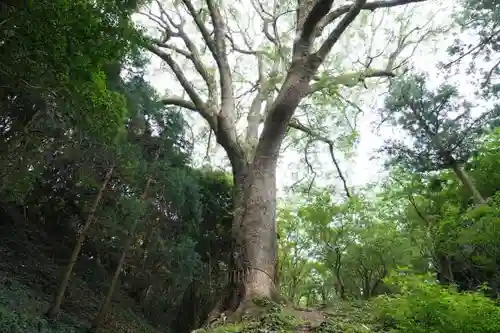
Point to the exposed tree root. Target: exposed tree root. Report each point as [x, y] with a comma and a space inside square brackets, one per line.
[264, 314]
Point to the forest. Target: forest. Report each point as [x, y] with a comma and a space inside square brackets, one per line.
[177, 166]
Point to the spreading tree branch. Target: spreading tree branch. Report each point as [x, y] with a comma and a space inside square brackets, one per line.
[350, 12]
[373, 5]
[220, 117]
[185, 83]
[171, 30]
[181, 103]
[309, 14]
[349, 79]
[334, 36]
[318, 137]
[226, 80]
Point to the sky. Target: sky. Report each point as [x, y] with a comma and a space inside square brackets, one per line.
[360, 168]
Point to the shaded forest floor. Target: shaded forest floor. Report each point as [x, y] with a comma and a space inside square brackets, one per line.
[30, 268]
[344, 317]
[29, 275]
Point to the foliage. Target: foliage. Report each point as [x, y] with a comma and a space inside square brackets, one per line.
[62, 60]
[478, 19]
[11, 322]
[440, 124]
[76, 104]
[335, 250]
[422, 305]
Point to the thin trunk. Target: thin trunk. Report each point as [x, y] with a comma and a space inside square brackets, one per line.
[445, 270]
[146, 295]
[147, 241]
[112, 286]
[467, 182]
[56, 306]
[338, 275]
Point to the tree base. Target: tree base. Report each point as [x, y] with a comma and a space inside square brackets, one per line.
[266, 315]
[236, 304]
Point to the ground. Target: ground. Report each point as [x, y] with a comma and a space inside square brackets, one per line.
[28, 278]
[29, 275]
[274, 318]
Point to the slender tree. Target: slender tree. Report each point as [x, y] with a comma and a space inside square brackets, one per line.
[96, 324]
[59, 296]
[442, 129]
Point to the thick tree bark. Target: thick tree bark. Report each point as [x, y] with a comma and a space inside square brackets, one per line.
[464, 178]
[253, 265]
[56, 306]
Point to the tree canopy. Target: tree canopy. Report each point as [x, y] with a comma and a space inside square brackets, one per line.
[110, 223]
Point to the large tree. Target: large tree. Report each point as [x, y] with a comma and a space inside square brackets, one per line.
[288, 72]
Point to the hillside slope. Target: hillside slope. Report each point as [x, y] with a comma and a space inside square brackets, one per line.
[30, 267]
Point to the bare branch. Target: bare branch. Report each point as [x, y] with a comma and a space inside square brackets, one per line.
[351, 13]
[192, 53]
[226, 81]
[373, 5]
[309, 164]
[239, 49]
[188, 87]
[180, 51]
[210, 43]
[181, 103]
[254, 114]
[341, 175]
[294, 123]
[309, 14]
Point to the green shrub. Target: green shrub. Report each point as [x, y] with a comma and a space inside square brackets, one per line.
[12, 322]
[423, 306]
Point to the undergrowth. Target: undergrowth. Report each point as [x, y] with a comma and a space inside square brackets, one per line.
[276, 318]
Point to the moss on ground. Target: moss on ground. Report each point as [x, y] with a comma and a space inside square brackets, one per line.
[27, 290]
[276, 318]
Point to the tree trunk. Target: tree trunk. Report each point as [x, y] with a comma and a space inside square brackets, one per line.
[445, 273]
[105, 304]
[467, 182]
[338, 274]
[253, 264]
[112, 286]
[56, 306]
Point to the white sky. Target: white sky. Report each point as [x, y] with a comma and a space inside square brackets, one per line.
[360, 168]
